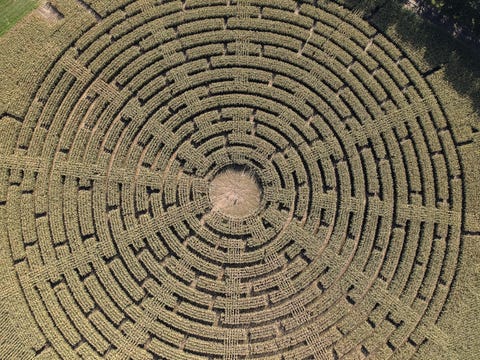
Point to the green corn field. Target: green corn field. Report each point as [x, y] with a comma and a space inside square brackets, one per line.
[236, 179]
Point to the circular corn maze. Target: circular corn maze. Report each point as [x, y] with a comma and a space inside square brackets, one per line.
[232, 180]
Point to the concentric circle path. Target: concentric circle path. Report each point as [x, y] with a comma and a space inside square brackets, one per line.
[233, 180]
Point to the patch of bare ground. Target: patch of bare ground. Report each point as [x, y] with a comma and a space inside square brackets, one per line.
[49, 12]
[235, 192]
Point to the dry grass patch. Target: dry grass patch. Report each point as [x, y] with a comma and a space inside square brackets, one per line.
[50, 13]
[235, 191]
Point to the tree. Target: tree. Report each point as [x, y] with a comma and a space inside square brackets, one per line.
[465, 13]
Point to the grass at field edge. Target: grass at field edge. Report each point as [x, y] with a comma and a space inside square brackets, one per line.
[11, 11]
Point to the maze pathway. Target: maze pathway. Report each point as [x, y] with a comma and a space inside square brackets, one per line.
[222, 179]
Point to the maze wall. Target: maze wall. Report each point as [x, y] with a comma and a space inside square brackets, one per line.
[119, 253]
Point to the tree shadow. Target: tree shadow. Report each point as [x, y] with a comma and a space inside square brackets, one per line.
[431, 46]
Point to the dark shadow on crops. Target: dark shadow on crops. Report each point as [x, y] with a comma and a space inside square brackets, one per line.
[438, 48]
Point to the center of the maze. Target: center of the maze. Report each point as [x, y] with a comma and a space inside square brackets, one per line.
[235, 191]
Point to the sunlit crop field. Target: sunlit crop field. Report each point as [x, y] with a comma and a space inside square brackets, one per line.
[222, 179]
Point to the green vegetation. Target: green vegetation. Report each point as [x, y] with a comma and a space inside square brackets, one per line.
[12, 11]
[465, 13]
[243, 179]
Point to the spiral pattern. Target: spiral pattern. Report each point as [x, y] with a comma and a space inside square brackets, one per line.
[128, 227]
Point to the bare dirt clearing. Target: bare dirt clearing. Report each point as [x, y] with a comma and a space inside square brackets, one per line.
[235, 192]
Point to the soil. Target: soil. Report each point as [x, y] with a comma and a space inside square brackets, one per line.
[235, 192]
[50, 13]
